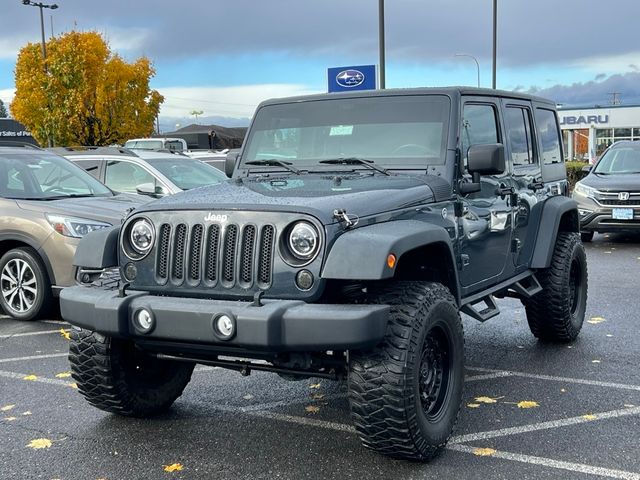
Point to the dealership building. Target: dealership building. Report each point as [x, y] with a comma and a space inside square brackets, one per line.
[588, 131]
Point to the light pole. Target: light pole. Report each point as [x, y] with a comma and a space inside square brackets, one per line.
[381, 42]
[41, 5]
[495, 41]
[475, 60]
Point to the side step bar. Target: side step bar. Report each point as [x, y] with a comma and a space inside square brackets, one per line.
[482, 306]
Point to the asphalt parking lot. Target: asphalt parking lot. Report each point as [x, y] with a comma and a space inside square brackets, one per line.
[530, 410]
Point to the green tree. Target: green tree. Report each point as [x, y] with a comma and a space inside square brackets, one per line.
[3, 110]
[88, 96]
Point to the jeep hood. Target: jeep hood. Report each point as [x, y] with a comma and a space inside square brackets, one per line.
[318, 195]
[107, 209]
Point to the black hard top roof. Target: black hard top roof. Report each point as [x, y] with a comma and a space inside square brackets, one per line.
[449, 91]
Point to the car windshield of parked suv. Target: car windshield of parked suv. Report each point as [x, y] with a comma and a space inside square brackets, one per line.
[620, 160]
[44, 176]
[393, 131]
[186, 173]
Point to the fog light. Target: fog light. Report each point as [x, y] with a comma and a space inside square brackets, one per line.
[143, 320]
[224, 326]
[304, 280]
[130, 272]
[584, 213]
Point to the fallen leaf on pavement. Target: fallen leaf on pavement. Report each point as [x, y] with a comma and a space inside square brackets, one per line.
[486, 400]
[63, 375]
[39, 443]
[317, 396]
[595, 361]
[10, 419]
[312, 409]
[6, 408]
[30, 377]
[26, 413]
[484, 452]
[596, 320]
[314, 386]
[74, 385]
[473, 405]
[174, 467]
[589, 417]
[248, 397]
[527, 404]
[65, 333]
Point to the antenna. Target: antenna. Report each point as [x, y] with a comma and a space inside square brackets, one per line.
[615, 100]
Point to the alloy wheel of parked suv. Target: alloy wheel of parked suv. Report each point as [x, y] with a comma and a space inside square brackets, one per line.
[24, 286]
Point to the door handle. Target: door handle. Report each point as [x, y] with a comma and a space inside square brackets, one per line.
[503, 190]
[537, 184]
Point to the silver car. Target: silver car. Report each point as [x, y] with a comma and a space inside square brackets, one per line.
[150, 173]
[47, 204]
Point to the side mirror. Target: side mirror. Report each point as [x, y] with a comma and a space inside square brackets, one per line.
[150, 189]
[486, 159]
[483, 160]
[587, 168]
[230, 163]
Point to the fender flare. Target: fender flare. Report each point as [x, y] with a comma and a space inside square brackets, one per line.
[33, 243]
[98, 249]
[556, 216]
[361, 254]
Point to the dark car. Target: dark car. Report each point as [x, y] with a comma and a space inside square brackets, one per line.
[609, 196]
[354, 231]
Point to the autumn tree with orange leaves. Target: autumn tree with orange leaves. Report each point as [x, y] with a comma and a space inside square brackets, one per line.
[87, 96]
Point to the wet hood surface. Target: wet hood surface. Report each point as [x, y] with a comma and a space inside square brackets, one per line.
[318, 195]
[108, 209]
[614, 183]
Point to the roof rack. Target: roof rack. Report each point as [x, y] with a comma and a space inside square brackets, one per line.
[83, 150]
[12, 143]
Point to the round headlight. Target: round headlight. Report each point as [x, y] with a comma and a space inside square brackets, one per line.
[141, 236]
[303, 240]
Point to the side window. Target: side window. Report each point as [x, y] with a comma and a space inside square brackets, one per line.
[90, 166]
[547, 124]
[479, 126]
[125, 176]
[518, 122]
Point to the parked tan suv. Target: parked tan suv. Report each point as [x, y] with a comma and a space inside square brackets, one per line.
[46, 205]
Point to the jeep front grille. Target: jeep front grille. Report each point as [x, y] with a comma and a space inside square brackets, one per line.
[230, 255]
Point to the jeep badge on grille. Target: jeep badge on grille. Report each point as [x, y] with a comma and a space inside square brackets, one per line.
[212, 217]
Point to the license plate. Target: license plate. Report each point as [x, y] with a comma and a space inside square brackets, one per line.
[622, 213]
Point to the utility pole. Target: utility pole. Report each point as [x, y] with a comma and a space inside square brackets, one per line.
[381, 43]
[495, 41]
[475, 60]
[614, 98]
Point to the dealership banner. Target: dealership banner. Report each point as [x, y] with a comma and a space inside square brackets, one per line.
[347, 79]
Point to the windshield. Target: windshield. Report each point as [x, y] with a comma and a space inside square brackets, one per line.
[187, 174]
[144, 144]
[394, 131]
[620, 160]
[44, 176]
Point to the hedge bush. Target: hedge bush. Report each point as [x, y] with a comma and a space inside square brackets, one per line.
[575, 173]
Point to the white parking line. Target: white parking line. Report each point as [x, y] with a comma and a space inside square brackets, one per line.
[55, 322]
[28, 334]
[33, 357]
[565, 422]
[20, 376]
[309, 422]
[548, 462]
[595, 383]
[487, 376]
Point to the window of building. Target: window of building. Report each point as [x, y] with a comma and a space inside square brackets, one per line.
[519, 130]
[549, 138]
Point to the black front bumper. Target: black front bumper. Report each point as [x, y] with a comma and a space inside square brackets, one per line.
[276, 325]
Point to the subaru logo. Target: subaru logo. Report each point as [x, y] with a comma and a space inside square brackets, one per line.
[350, 78]
[623, 196]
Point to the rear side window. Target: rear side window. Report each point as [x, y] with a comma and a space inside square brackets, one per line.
[518, 121]
[549, 137]
[125, 176]
[479, 127]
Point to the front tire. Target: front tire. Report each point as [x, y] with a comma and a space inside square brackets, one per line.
[25, 290]
[556, 314]
[405, 394]
[115, 376]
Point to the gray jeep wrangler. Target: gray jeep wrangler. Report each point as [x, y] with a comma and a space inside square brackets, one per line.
[354, 231]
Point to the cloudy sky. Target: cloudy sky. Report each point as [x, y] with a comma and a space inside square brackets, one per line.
[224, 57]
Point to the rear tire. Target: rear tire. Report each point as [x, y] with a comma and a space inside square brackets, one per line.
[405, 394]
[25, 289]
[115, 376]
[556, 314]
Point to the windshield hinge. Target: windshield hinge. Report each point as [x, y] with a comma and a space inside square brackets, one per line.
[340, 214]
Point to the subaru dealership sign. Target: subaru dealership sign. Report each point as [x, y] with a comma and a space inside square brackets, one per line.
[347, 79]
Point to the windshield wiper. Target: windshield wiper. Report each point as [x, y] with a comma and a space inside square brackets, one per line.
[274, 163]
[370, 164]
[71, 195]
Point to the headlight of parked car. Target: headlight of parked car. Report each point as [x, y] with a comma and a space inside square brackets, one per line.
[73, 226]
[141, 236]
[304, 240]
[582, 189]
